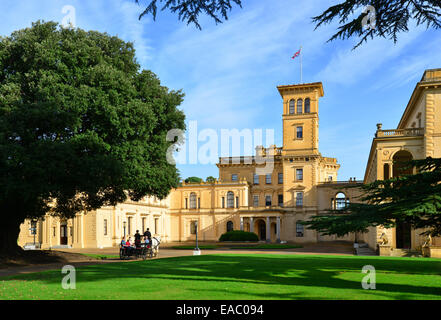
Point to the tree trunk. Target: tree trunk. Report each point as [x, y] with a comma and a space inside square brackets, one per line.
[9, 232]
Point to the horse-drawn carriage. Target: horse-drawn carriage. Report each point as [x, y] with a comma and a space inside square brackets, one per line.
[140, 251]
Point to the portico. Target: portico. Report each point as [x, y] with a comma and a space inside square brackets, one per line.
[261, 225]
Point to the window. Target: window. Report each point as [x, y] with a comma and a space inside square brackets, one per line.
[237, 202]
[129, 225]
[230, 226]
[105, 227]
[300, 230]
[280, 198]
[299, 132]
[223, 202]
[256, 179]
[186, 203]
[299, 199]
[143, 224]
[299, 106]
[292, 106]
[341, 202]
[234, 177]
[280, 176]
[268, 201]
[193, 200]
[256, 201]
[230, 200]
[307, 105]
[299, 174]
[156, 225]
[199, 203]
[193, 227]
[330, 178]
[268, 179]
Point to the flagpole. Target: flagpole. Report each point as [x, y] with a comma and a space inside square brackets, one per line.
[301, 64]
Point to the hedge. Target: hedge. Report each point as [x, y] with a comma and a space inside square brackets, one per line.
[238, 235]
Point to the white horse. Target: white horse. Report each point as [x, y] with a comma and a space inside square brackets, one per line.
[156, 241]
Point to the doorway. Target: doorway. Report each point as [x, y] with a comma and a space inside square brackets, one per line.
[63, 234]
[403, 236]
[262, 230]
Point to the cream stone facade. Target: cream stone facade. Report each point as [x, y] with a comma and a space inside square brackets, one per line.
[417, 136]
[271, 192]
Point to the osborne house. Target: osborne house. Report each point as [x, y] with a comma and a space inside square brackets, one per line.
[293, 183]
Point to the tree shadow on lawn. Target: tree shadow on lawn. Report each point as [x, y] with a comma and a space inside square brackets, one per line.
[282, 270]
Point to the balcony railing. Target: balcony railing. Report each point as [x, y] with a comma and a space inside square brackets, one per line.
[412, 132]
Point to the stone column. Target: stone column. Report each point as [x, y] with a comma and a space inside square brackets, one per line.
[251, 224]
[268, 230]
[278, 229]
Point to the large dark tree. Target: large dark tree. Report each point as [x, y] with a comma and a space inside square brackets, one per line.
[81, 126]
[189, 10]
[413, 199]
[391, 16]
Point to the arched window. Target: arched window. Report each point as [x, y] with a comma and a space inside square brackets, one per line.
[193, 200]
[307, 105]
[341, 202]
[230, 226]
[230, 200]
[299, 106]
[193, 227]
[292, 106]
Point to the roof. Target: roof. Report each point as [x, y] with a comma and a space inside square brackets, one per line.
[319, 85]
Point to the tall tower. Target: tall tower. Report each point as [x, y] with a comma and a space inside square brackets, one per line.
[300, 153]
[300, 118]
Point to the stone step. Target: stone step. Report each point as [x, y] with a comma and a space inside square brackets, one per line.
[405, 253]
[61, 247]
[365, 252]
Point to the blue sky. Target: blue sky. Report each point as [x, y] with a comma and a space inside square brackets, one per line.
[229, 72]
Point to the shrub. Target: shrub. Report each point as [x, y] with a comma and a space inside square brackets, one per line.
[239, 236]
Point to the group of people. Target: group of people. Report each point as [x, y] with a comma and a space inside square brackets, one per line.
[139, 240]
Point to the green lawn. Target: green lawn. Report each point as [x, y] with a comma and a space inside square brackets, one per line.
[233, 276]
[232, 246]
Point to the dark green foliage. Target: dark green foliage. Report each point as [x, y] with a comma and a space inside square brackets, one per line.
[211, 179]
[414, 199]
[238, 235]
[81, 126]
[193, 180]
[189, 10]
[392, 17]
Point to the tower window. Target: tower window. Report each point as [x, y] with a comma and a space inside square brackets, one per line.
[299, 106]
[234, 177]
[299, 174]
[292, 106]
[299, 199]
[307, 105]
[299, 132]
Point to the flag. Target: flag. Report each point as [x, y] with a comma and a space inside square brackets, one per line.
[296, 54]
